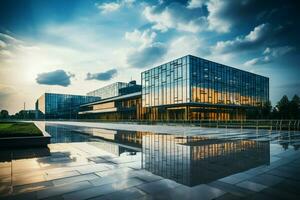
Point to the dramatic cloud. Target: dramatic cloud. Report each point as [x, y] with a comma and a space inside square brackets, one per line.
[248, 42]
[269, 55]
[102, 76]
[144, 38]
[146, 56]
[196, 3]
[57, 77]
[113, 6]
[2, 44]
[188, 45]
[224, 15]
[148, 52]
[175, 16]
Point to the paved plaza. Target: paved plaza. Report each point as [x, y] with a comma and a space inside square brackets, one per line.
[87, 170]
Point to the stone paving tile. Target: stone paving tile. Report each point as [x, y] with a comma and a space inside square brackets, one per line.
[116, 172]
[74, 179]
[256, 187]
[106, 180]
[146, 176]
[261, 196]
[54, 198]
[61, 175]
[236, 178]
[266, 179]
[92, 168]
[257, 170]
[158, 186]
[203, 191]
[60, 190]
[279, 194]
[228, 196]
[232, 189]
[23, 196]
[32, 187]
[289, 186]
[102, 190]
[127, 194]
[33, 179]
[284, 174]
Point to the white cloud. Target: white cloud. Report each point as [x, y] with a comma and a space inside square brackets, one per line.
[269, 55]
[5, 54]
[183, 45]
[175, 17]
[196, 3]
[163, 21]
[2, 44]
[114, 6]
[108, 7]
[216, 23]
[258, 61]
[144, 38]
[148, 52]
[242, 43]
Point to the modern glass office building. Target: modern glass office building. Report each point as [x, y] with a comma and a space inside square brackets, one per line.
[51, 106]
[190, 88]
[108, 91]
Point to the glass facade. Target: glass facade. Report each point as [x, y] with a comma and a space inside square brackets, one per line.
[204, 89]
[195, 80]
[167, 84]
[125, 107]
[52, 105]
[108, 91]
[215, 83]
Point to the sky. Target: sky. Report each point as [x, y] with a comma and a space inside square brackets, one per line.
[77, 46]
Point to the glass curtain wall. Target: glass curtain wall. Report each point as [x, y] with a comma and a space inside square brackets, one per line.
[195, 88]
[214, 83]
[52, 105]
[166, 84]
[108, 91]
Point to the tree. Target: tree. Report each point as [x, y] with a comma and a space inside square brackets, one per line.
[4, 114]
[266, 110]
[283, 107]
[275, 113]
[295, 107]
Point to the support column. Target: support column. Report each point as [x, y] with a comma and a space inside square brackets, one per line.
[187, 112]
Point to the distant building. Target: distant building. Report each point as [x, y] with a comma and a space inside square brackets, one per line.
[65, 106]
[115, 89]
[123, 107]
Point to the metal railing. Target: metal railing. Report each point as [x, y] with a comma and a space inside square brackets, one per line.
[242, 124]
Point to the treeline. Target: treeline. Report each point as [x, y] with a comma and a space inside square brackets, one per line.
[284, 109]
[23, 114]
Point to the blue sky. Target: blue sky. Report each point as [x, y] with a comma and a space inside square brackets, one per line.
[78, 46]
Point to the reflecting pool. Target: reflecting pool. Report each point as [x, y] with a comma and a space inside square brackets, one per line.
[119, 161]
[190, 159]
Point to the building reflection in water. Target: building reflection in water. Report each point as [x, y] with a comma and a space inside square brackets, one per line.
[193, 160]
[190, 160]
[109, 140]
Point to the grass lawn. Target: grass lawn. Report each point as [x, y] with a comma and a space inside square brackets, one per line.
[18, 129]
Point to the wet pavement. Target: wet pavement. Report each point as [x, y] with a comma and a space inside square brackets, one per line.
[92, 162]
